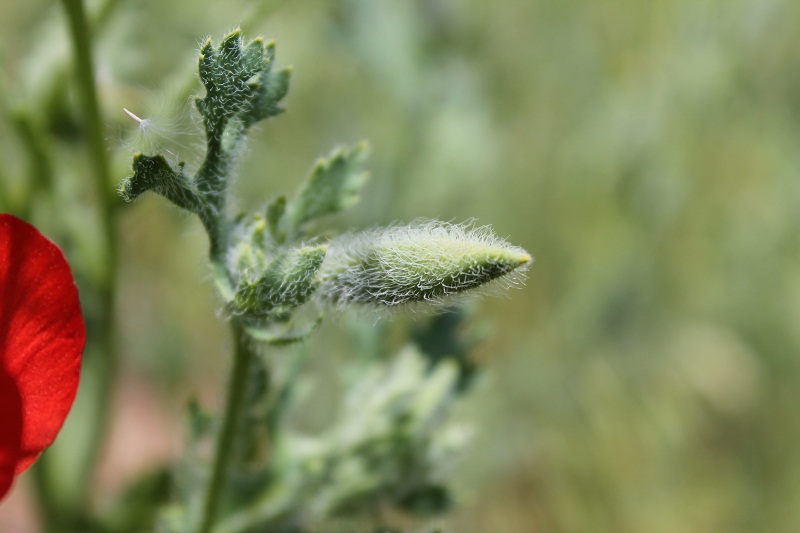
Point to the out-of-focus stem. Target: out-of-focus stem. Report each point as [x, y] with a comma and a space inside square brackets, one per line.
[39, 154]
[81, 36]
[237, 388]
[101, 367]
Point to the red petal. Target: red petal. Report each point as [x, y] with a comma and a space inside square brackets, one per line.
[11, 434]
[42, 333]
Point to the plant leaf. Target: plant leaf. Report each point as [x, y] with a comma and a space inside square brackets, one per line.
[270, 89]
[275, 212]
[227, 72]
[334, 185]
[262, 335]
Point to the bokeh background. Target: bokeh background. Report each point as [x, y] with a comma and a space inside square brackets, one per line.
[647, 378]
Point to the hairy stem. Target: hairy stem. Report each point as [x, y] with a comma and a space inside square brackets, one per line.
[237, 387]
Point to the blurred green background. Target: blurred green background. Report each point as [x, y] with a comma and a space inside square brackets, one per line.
[647, 378]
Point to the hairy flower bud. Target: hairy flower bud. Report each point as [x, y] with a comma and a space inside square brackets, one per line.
[427, 261]
[286, 282]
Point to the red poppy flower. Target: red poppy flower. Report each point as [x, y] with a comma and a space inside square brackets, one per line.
[41, 343]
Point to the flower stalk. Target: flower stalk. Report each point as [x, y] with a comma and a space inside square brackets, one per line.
[243, 356]
[70, 502]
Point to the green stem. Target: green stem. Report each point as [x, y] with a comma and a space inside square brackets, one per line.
[81, 36]
[101, 368]
[237, 387]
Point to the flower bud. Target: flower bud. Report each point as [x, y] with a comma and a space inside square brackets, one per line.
[286, 282]
[428, 261]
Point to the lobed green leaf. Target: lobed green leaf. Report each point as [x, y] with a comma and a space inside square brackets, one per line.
[269, 90]
[227, 72]
[154, 173]
[334, 185]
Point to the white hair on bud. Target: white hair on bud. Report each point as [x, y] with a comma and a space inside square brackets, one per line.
[425, 262]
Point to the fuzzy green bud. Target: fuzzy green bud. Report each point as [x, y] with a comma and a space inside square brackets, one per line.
[286, 282]
[425, 262]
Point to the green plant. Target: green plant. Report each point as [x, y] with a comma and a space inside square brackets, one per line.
[385, 449]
